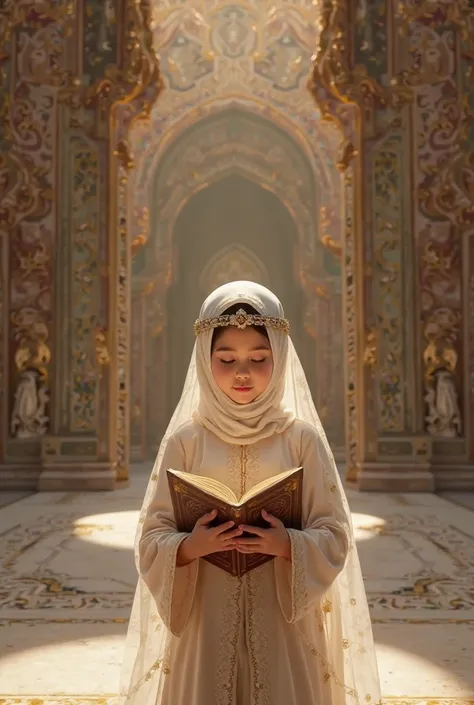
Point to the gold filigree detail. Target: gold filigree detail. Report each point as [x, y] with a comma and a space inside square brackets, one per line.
[139, 70]
[140, 238]
[33, 351]
[327, 606]
[435, 356]
[248, 462]
[347, 154]
[234, 468]
[226, 666]
[325, 237]
[256, 639]
[124, 155]
[159, 665]
[370, 351]
[36, 262]
[101, 350]
[243, 470]
[241, 320]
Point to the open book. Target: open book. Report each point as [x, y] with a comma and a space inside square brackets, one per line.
[194, 495]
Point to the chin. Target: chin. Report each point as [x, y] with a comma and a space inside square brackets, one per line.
[241, 402]
[242, 399]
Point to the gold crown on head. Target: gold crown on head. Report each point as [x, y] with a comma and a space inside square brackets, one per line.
[241, 319]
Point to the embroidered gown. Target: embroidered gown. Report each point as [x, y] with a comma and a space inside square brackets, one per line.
[263, 639]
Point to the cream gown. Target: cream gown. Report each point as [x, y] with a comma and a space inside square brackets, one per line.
[264, 639]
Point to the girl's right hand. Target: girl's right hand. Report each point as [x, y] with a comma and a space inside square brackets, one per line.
[204, 540]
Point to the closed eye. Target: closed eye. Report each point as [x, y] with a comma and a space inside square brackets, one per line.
[230, 362]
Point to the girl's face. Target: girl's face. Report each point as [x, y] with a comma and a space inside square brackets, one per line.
[242, 363]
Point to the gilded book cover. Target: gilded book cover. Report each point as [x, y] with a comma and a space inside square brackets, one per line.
[194, 495]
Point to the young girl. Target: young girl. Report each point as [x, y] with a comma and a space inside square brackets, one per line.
[296, 630]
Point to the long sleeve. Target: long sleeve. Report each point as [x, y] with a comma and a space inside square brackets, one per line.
[319, 551]
[172, 588]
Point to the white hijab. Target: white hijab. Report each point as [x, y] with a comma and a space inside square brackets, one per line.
[242, 424]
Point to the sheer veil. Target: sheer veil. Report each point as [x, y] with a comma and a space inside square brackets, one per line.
[350, 664]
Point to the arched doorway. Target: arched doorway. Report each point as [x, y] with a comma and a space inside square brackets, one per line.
[227, 220]
[218, 185]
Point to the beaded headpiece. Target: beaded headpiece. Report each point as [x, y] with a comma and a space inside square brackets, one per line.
[241, 319]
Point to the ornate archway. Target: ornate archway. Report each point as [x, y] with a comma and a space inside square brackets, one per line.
[207, 153]
[232, 263]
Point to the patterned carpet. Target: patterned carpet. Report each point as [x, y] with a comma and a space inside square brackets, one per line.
[67, 578]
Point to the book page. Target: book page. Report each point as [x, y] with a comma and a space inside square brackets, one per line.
[212, 487]
[269, 482]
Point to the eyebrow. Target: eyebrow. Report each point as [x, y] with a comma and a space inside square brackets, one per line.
[259, 348]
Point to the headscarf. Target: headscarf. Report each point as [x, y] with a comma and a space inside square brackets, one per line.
[242, 424]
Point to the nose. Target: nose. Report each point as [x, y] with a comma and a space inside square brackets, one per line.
[242, 373]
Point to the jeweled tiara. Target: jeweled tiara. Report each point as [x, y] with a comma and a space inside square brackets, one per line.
[241, 319]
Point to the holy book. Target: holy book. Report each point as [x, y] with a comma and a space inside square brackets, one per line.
[194, 495]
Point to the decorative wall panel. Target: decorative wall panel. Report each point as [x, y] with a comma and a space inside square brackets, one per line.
[439, 216]
[65, 64]
[388, 159]
[99, 50]
[85, 285]
[33, 67]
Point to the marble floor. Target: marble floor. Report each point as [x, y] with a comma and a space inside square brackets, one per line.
[67, 579]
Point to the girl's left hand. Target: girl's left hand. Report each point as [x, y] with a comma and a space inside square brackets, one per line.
[274, 541]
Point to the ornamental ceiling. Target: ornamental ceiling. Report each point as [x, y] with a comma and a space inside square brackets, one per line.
[252, 57]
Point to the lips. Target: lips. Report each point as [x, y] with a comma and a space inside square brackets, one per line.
[242, 389]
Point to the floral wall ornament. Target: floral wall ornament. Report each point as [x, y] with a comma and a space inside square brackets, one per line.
[101, 348]
[31, 334]
[140, 228]
[370, 349]
[327, 221]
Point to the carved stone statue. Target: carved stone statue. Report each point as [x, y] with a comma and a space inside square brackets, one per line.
[29, 418]
[444, 414]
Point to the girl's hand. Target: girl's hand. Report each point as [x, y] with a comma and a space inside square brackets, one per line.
[204, 540]
[274, 541]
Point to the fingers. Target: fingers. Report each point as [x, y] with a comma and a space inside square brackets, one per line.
[253, 530]
[207, 518]
[273, 521]
[249, 549]
[228, 543]
[249, 542]
[228, 546]
[222, 528]
[234, 533]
